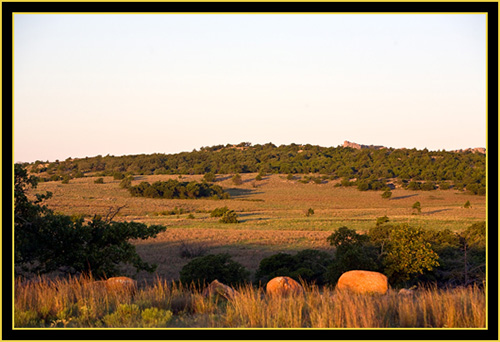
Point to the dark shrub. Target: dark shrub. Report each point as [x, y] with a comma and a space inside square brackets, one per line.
[280, 264]
[309, 265]
[219, 212]
[214, 266]
[229, 217]
[209, 177]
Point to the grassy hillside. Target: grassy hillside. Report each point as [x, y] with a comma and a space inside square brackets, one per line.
[364, 168]
[272, 214]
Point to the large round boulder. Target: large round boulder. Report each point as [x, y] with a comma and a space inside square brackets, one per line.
[121, 284]
[283, 286]
[364, 282]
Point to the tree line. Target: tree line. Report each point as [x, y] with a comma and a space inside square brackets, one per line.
[368, 169]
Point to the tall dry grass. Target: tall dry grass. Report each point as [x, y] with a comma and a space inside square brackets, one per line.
[72, 303]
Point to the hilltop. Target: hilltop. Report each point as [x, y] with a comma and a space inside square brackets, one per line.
[366, 166]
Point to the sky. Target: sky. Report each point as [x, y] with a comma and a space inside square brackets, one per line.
[123, 84]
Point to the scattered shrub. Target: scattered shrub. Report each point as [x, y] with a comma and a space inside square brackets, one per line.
[229, 217]
[209, 177]
[99, 181]
[237, 179]
[387, 194]
[219, 212]
[309, 212]
[126, 182]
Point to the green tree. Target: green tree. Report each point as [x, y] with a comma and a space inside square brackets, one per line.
[417, 207]
[353, 251]
[387, 194]
[209, 177]
[229, 216]
[46, 242]
[408, 253]
[237, 179]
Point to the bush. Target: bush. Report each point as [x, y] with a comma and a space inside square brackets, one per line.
[467, 205]
[237, 179]
[126, 182]
[99, 181]
[417, 207]
[229, 217]
[353, 252]
[118, 176]
[309, 265]
[209, 177]
[387, 194]
[428, 186]
[214, 266]
[219, 212]
[281, 264]
[309, 212]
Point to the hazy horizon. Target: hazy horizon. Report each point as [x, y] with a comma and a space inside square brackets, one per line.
[127, 84]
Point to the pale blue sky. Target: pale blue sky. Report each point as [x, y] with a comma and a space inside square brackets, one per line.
[89, 84]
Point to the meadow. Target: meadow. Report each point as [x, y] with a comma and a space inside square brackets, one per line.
[272, 214]
[68, 303]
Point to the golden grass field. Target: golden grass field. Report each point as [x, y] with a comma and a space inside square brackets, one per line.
[69, 303]
[271, 211]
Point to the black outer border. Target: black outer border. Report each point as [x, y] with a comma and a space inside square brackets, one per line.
[247, 334]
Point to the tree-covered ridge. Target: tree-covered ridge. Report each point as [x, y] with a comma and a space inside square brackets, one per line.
[465, 169]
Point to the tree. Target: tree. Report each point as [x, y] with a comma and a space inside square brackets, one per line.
[353, 251]
[417, 207]
[229, 216]
[209, 177]
[408, 253]
[46, 242]
[237, 179]
[387, 194]
[467, 205]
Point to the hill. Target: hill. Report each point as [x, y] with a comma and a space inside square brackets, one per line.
[367, 168]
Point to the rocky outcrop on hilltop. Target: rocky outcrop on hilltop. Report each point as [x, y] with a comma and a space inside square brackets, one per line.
[360, 146]
[473, 150]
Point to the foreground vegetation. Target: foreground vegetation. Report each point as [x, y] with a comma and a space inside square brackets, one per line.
[69, 303]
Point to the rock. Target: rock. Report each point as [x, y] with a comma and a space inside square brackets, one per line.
[361, 146]
[406, 292]
[125, 284]
[364, 282]
[113, 285]
[283, 286]
[218, 288]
